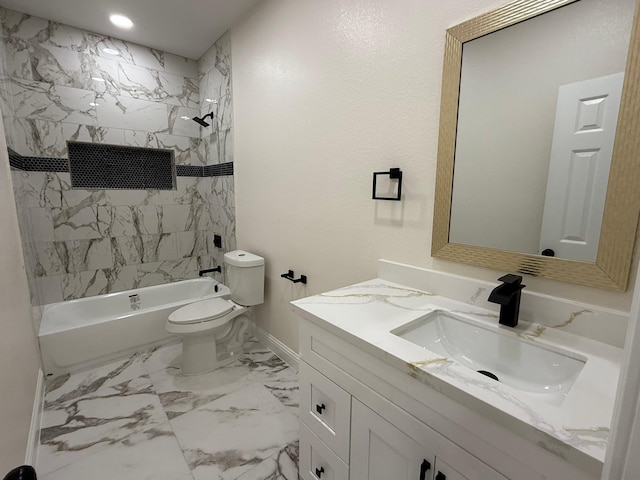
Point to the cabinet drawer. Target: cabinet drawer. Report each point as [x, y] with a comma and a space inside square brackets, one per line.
[317, 461]
[326, 409]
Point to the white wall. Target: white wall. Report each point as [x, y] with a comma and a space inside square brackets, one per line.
[325, 93]
[19, 358]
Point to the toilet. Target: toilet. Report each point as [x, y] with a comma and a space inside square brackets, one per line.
[214, 330]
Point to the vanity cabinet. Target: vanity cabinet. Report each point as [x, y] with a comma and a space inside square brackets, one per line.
[363, 419]
[338, 430]
[382, 451]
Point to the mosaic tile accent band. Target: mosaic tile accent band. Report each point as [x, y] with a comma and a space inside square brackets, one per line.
[45, 164]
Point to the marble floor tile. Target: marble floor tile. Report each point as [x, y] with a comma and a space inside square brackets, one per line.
[231, 435]
[180, 394]
[70, 386]
[115, 414]
[140, 418]
[153, 455]
[281, 466]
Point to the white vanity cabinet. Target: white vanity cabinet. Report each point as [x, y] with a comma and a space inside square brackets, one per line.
[382, 451]
[363, 419]
[375, 448]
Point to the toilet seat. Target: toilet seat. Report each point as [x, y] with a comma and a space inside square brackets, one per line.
[202, 311]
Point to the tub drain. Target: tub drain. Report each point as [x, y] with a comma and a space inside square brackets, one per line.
[489, 374]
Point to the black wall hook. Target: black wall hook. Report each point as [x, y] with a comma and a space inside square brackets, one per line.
[289, 276]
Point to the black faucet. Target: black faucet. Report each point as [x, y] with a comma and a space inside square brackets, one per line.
[507, 296]
[217, 269]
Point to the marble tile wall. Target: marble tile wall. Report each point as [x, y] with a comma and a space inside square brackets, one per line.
[57, 84]
[214, 70]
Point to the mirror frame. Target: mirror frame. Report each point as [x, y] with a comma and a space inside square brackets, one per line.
[622, 205]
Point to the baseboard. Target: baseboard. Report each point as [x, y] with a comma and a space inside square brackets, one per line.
[287, 355]
[31, 456]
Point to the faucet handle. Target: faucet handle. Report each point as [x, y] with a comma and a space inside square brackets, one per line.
[511, 279]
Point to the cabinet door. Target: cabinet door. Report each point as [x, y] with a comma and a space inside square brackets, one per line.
[442, 471]
[380, 451]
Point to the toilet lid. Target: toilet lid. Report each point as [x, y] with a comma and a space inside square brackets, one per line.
[202, 311]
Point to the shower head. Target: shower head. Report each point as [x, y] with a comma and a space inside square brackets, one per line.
[201, 121]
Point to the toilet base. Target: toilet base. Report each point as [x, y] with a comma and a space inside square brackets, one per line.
[207, 351]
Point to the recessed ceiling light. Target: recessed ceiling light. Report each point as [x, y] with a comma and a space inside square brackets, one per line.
[121, 21]
[111, 51]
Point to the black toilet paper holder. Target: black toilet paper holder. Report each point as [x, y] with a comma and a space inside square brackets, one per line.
[290, 276]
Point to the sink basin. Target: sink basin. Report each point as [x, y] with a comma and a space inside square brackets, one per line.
[528, 367]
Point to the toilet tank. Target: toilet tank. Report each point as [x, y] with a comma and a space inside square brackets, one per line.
[245, 277]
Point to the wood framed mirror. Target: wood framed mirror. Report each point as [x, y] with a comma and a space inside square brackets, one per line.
[620, 204]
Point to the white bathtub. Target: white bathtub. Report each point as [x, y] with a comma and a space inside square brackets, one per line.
[79, 334]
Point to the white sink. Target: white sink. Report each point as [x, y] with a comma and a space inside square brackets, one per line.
[536, 369]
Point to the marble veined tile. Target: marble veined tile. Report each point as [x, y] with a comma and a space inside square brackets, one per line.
[229, 436]
[157, 273]
[53, 102]
[221, 146]
[21, 26]
[151, 455]
[181, 218]
[191, 190]
[131, 113]
[72, 386]
[180, 65]
[129, 53]
[127, 250]
[65, 36]
[59, 66]
[286, 389]
[280, 466]
[185, 127]
[157, 86]
[91, 254]
[90, 133]
[181, 394]
[186, 244]
[123, 277]
[85, 284]
[115, 414]
[17, 60]
[80, 222]
[180, 145]
[159, 358]
[218, 56]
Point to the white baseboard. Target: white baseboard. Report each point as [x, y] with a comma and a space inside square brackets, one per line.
[31, 456]
[287, 355]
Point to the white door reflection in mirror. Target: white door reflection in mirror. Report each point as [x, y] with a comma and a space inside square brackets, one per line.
[581, 149]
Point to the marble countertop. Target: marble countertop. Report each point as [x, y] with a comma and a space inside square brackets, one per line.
[577, 430]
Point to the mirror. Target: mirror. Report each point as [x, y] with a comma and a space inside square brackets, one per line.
[537, 152]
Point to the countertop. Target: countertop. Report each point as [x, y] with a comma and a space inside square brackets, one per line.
[577, 430]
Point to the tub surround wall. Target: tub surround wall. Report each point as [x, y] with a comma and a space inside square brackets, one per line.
[324, 96]
[80, 243]
[214, 70]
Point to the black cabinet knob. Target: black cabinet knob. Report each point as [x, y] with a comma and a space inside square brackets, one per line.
[320, 408]
[441, 476]
[319, 472]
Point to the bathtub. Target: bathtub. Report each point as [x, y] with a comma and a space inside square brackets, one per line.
[83, 333]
